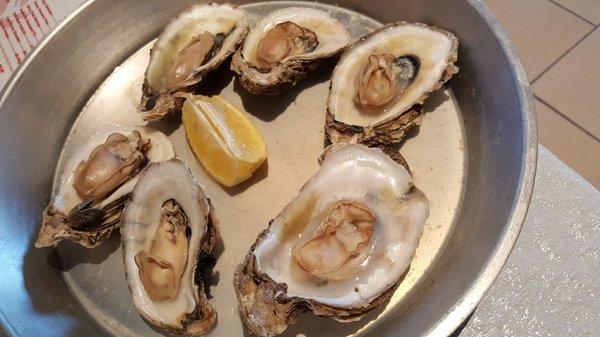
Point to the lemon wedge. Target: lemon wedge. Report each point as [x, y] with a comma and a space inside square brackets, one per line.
[223, 139]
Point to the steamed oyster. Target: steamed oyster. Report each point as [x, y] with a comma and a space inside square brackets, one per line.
[379, 85]
[285, 46]
[194, 43]
[339, 248]
[96, 182]
[169, 231]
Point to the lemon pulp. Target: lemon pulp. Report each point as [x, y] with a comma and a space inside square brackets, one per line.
[223, 139]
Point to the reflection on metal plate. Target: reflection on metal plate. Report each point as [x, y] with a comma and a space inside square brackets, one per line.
[292, 125]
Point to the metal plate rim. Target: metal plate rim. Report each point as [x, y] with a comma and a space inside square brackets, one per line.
[472, 296]
[488, 275]
[16, 75]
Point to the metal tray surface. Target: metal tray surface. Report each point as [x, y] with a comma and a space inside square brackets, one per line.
[474, 157]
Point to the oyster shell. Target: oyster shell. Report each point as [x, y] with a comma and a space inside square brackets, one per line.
[194, 43]
[96, 182]
[169, 231]
[379, 84]
[285, 46]
[339, 248]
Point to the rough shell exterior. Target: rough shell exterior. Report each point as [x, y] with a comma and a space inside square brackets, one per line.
[156, 106]
[389, 131]
[281, 77]
[265, 308]
[204, 317]
[57, 226]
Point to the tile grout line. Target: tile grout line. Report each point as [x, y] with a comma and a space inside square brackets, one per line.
[570, 11]
[563, 55]
[567, 118]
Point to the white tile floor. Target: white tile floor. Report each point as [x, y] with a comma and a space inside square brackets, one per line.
[559, 43]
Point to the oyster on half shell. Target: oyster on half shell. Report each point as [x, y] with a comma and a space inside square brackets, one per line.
[96, 182]
[194, 43]
[339, 248]
[379, 84]
[285, 46]
[169, 231]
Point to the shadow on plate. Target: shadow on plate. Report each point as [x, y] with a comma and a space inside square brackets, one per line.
[169, 124]
[459, 330]
[212, 84]
[436, 99]
[70, 254]
[433, 102]
[310, 325]
[261, 173]
[206, 274]
[215, 81]
[268, 108]
[50, 296]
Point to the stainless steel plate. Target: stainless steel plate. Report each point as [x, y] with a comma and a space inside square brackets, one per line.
[88, 75]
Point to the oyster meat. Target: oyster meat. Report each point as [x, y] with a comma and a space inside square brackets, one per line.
[96, 182]
[285, 46]
[339, 248]
[194, 43]
[379, 85]
[169, 231]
